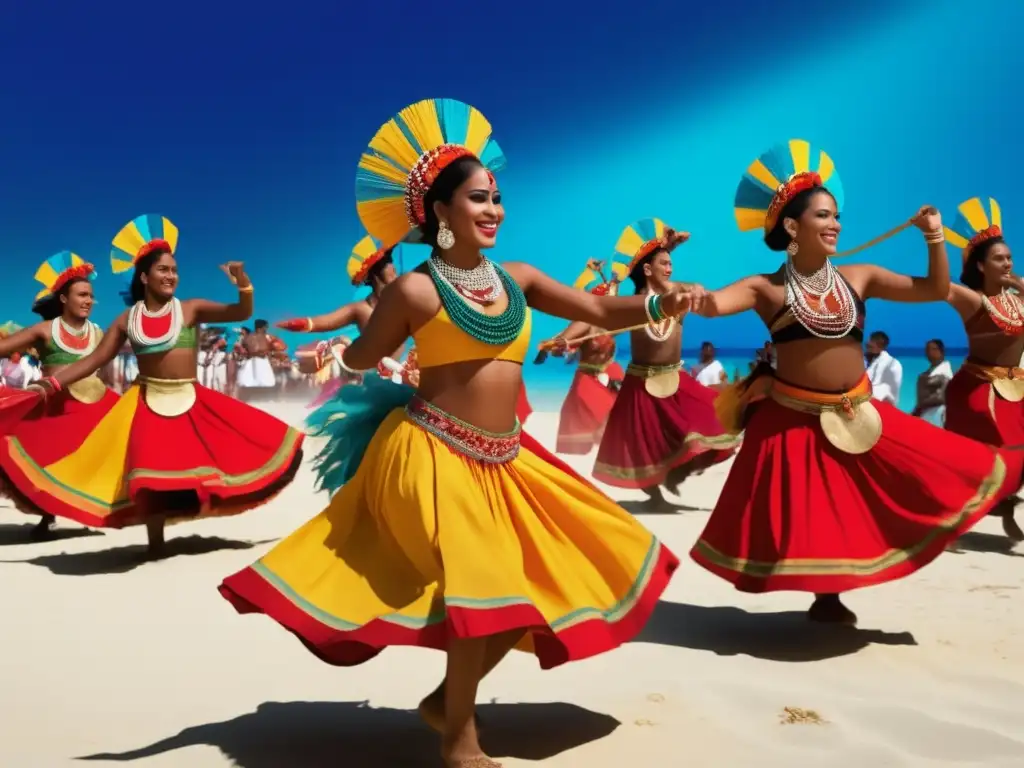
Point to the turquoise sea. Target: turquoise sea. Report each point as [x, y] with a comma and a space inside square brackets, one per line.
[548, 382]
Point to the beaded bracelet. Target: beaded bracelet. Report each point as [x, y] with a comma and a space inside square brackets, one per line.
[52, 382]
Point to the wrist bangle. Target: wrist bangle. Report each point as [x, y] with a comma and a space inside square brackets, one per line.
[246, 289]
[350, 370]
[309, 325]
[652, 306]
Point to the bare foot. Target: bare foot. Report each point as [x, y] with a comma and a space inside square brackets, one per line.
[431, 710]
[829, 609]
[1011, 529]
[43, 530]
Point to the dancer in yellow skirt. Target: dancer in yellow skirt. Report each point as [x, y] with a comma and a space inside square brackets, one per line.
[451, 528]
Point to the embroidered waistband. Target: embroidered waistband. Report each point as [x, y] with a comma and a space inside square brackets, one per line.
[165, 382]
[592, 367]
[993, 372]
[470, 441]
[650, 371]
[810, 401]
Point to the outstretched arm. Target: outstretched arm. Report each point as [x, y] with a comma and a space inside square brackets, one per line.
[733, 299]
[385, 331]
[204, 311]
[105, 351]
[22, 340]
[612, 312]
[349, 314]
[880, 283]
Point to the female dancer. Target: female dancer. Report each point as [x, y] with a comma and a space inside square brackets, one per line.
[65, 335]
[592, 394]
[370, 264]
[169, 447]
[663, 425]
[456, 530]
[831, 491]
[985, 399]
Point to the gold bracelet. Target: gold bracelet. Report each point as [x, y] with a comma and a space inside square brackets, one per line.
[935, 237]
[309, 325]
[247, 289]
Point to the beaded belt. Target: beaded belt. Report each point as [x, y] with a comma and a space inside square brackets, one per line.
[470, 441]
[650, 371]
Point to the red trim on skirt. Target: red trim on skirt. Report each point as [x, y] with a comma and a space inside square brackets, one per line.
[584, 414]
[646, 437]
[796, 513]
[249, 592]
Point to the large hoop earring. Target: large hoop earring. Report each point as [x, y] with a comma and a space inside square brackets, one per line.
[445, 237]
[792, 249]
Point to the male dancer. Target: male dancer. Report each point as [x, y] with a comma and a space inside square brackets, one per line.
[663, 426]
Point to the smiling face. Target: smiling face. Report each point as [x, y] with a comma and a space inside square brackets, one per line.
[475, 211]
[78, 301]
[995, 265]
[162, 278]
[817, 229]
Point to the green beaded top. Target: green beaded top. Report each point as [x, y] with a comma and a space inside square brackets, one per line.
[497, 330]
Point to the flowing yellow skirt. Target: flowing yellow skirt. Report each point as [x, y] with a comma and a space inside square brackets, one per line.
[426, 543]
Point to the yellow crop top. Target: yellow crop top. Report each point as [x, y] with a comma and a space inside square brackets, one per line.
[440, 342]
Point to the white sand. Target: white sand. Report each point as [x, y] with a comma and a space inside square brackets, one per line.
[116, 663]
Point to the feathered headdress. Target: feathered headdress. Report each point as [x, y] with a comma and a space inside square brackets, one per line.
[594, 280]
[365, 256]
[138, 238]
[776, 177]
[406, 156]
[56, 271]
[642, 238]
[977, 221]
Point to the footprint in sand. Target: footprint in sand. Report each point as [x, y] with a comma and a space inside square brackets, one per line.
[800, 716]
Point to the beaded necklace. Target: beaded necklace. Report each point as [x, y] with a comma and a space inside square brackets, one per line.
[140, 339]
[807, 297]
[497, 330]
[1006, 311]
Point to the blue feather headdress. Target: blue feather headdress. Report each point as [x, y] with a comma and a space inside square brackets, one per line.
[137, 239]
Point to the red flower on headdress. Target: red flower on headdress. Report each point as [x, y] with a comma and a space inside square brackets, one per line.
[985, 235]
[152, 245]
[667, 242]
[73, 273]
[364, 269]
[424, 173]
[796, 184]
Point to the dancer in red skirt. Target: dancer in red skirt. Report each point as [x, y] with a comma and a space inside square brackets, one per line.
[663, 425]
[985, 399]
[832, 491]
[169, 448]
[598, 377]
[64, 336]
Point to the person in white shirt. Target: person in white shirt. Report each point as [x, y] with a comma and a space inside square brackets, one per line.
[884, 370]
[931, 385]
[709, 371]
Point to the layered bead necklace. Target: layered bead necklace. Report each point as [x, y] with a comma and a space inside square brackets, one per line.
[497, 330]
[661, 332]
[825, 286]
[481, 284]
[1006, 311]
[73, 341]
[155, 331]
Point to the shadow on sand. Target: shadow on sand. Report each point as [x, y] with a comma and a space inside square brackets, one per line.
[665, 507]
[128, 558]
[785, 636]
[13, 534]
[992, 543]
[321, 734]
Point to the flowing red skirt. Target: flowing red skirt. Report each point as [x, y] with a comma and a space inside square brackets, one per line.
[647, 437]
[584, 414]
[975, 410]
[220, 457]
[798, 514]
[523, 408]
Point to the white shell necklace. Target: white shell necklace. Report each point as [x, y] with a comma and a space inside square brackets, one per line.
[824, 284]
[60, 330]
[137, 317]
